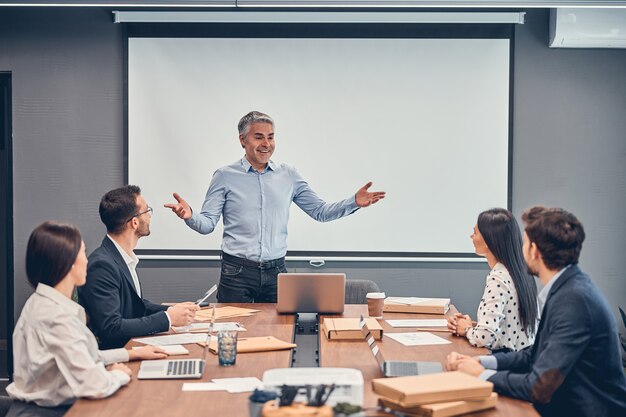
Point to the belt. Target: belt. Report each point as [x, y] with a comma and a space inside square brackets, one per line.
[247, 262]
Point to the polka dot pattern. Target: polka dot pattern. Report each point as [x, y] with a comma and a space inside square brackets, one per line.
[498, 324]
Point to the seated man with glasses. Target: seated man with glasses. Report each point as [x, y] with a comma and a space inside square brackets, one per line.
[112, 296]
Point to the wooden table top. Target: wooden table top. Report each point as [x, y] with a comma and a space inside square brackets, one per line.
[152, 398]
[356, 354]
[149, 398]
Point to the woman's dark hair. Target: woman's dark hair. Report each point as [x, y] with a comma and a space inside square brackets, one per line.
[504, 239]
[51, 252]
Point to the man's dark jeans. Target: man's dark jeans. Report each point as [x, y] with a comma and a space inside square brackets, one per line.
[245, 281]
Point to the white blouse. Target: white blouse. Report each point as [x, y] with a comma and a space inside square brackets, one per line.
[498, 323]
[55, 355]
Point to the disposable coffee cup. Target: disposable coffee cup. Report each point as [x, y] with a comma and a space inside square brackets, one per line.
[375, 302]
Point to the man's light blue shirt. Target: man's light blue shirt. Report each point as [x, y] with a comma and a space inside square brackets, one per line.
[490, 363]
[255, 208]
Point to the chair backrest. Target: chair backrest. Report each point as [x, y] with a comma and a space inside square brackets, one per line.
[357, 289]
[5, 404]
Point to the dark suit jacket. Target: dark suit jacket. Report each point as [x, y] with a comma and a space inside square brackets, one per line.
[115, 311]
[574, 368]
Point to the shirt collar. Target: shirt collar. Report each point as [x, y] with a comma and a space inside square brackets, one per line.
[543, 295]
[131, 260]
[247, 166]
[64, 302]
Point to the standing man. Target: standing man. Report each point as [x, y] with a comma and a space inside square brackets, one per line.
[112, 295]
[253, 195]
[574, 368]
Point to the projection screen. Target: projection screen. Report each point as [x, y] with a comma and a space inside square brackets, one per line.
[427, 120]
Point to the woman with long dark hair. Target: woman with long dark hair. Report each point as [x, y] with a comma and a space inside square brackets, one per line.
[56, 357]
[507, 316]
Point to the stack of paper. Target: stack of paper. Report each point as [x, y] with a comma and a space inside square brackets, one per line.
[224, 312]
[417, 305]
[171, 350]
[417, 339]
[232, 385]
[173, 339]
[437, 395]
[204, 327]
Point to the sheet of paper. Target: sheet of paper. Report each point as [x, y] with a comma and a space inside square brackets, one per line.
[173, 339]
[418, 323]
[417, 339]
[171, 349]
[406, 300]
[202, 386]
[204, 327]
[235, 385]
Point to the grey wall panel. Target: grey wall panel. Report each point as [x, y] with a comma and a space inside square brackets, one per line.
[570, 144]
[67, 119]
[569, 150]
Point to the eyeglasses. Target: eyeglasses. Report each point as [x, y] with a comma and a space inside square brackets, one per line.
[150, 210]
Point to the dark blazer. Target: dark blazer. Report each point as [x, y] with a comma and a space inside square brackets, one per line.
[115, 312]
[574, 368]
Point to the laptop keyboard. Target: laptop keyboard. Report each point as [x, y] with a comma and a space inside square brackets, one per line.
[400, 368]
[184, 367]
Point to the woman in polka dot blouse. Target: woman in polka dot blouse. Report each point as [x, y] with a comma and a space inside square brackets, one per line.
[507, 316]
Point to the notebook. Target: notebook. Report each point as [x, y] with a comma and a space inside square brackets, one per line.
[311, 293]
[397, 368]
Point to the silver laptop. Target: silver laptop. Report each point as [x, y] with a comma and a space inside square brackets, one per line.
[311, 292]
[174, 368]
[397, 368]
[178, 368]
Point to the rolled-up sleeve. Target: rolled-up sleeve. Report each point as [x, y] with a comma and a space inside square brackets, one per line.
[85, 376]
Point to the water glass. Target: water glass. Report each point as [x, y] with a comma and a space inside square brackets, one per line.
[227, 347]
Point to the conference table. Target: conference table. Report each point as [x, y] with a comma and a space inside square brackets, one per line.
[165, 397]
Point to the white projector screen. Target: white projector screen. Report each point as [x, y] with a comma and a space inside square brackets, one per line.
[427, 120]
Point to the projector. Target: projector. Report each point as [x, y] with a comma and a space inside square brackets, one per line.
[348, 382]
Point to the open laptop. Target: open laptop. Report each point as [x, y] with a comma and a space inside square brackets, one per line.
[177, 368]
[397, 368]
[311, 293]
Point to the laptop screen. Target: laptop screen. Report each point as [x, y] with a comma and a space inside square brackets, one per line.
[371, 342]
[311, 292]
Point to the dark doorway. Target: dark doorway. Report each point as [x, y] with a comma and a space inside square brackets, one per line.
[6, 227]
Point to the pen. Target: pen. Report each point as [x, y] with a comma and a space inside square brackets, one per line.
[207, 295]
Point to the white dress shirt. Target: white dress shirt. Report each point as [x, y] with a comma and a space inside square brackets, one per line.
[131, 262]
[56, 356]
[498, 318]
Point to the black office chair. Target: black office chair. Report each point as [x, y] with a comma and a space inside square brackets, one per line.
[5, 404]
[357, 289]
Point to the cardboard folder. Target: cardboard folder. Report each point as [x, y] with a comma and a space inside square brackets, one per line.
[410, 391]
[255, 344]
[447, 409]
[349, 328]
[417, 305]
[226, 312]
